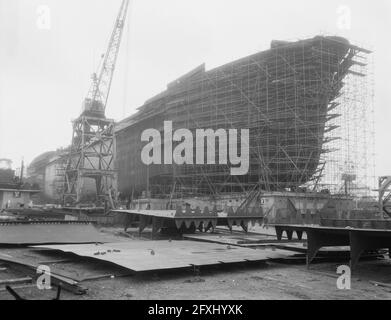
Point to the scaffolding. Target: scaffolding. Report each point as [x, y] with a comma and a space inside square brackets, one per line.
[59, 179]
[350, 149]
[298, 100]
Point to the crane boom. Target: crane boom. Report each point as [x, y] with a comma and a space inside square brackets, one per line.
[98, 95]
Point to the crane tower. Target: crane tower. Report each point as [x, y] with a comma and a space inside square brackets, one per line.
[92, 152]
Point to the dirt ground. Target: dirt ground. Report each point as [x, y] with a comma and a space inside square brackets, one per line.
[270, 281]
[264, 281]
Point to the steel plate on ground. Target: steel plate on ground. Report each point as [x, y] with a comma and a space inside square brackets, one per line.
[159, 255]
[49, 233]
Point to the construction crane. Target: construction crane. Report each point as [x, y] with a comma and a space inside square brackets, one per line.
[98, 95]
[92, 151]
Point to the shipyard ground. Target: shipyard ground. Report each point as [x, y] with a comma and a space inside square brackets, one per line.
[264, 281]
[272, 281]
[268, 282]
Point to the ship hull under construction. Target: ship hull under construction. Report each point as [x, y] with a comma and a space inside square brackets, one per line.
[284, 96]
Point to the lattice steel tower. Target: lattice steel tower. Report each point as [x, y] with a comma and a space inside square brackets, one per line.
[92, 151]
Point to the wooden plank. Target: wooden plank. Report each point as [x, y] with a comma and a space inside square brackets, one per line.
[29, 268]
[57, 261]
[16, 281]
[381, 284]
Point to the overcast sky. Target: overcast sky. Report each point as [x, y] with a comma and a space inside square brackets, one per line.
[45, 73]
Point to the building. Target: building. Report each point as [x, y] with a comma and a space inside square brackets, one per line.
[15, 193]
